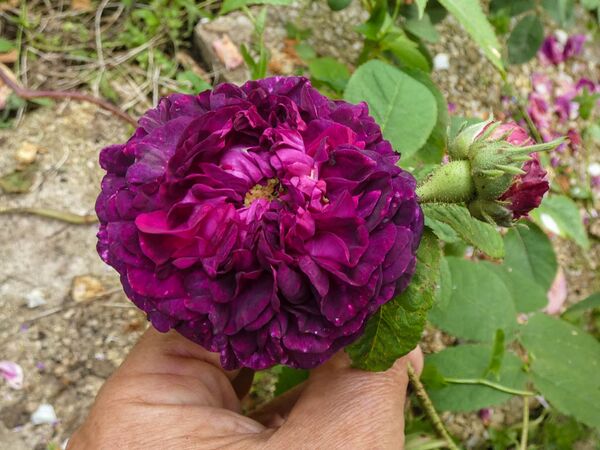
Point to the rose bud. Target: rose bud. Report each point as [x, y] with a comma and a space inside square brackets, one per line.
[494, 170]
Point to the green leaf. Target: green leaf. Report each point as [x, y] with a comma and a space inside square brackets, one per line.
[457, 123]
[423, 29]
[433, 150]
[560, 10]
[587, 103]
[443, 231]
[526, 293]
[378, 20]
[436, 12]
[6, 45]
[191, 82]
[497, 356]
[590, 4]
[396, 328]
[19, 181]
[473, 311]
[407, 52]
[525, 39]
[329, 71]
[432, 377]
[288, 378]
[472, 18]
[513, 7]
[565, 362]
[404, 108]
[591, 302]
[529, 252]
[443, 293]
[305, 51]
[469, 361]
[559, 214]
[421, 5]
[475, 232]
[338, 5]
[231, 5]
[47, 102]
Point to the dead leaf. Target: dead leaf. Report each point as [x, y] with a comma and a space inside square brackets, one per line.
[81, 5]
[227, 52]
[280, 63]
[289, 48]
[86, 287]
[18, 181]
[9, 57]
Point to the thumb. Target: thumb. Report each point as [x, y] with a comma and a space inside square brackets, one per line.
[351, 408]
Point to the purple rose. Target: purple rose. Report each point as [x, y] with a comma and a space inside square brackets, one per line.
[264, 222]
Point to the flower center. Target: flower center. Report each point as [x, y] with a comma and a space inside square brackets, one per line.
[269, 191]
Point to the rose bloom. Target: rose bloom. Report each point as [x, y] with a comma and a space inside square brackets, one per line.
[265, 222]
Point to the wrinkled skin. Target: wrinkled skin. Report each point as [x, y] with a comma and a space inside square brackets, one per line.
[528, 189]
[265, 222]
[172, 394]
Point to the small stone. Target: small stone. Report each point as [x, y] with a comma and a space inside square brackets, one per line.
[86, 287]
[44, 414]
[594, 227]
[594, 169]
[35, 298]
[206, 33]
[441, 61]
[27, 153]
[14, 416]
[102, 368]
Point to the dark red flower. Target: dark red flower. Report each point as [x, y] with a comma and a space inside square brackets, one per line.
[264, 222]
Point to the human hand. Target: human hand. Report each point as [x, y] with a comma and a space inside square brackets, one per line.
[170, 393]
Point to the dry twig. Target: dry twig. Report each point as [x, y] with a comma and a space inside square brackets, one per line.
[30, 94]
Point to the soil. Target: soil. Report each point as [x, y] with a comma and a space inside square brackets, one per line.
[67, 348]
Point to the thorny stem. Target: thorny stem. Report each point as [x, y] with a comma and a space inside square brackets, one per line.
[428, 407]
[28, 94]
[525, 430]
[490, 384]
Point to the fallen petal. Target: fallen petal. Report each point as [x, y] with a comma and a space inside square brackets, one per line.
[557, 293]
[12, 373]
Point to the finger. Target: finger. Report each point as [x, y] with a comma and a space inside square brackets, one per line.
[155, 350]
[279, 408]
[351, 408]
[167, 368]
[416, 359]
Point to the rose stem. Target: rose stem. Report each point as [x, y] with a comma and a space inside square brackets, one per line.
[428, 407]
[525, 430]
[28, 94]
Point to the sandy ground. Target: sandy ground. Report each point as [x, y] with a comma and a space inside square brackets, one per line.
[67, 348]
